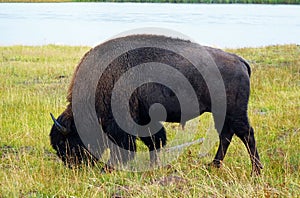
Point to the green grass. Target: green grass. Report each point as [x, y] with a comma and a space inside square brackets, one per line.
[34, 81]
[201, 1]
[171, 1]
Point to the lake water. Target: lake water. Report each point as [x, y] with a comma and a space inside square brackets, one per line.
[91, 23]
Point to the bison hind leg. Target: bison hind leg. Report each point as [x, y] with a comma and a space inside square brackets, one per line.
[245, 132]
[225, 136]
[238, 125]
[154, 143]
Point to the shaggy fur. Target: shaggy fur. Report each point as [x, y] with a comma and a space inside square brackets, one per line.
[234, 70]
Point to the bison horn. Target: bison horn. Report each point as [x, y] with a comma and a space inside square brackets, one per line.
[61, 129]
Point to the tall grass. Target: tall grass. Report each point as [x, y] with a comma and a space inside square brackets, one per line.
[171, 1]
[201, 1]
[34, 80]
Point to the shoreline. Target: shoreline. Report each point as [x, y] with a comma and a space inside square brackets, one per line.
[267, 2]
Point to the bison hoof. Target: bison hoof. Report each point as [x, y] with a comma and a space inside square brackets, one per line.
[256, 169]
[215, 164]
[107, 169]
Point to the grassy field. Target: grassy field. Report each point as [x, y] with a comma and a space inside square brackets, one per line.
[202, 1]
[171, 1]
[34, 81]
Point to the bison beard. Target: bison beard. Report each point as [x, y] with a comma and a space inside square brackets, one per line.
[234, 70]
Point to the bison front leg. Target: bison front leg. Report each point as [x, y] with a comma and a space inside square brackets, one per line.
[122, 149]
[154, 143]
[120, 154]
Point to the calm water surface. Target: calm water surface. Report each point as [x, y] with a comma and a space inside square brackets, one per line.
[92, 23]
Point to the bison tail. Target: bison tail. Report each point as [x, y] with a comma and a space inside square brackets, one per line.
[247, 65]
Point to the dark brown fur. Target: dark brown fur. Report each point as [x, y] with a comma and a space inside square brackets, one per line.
[235, 72]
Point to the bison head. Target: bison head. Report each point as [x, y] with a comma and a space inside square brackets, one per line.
[67, 143]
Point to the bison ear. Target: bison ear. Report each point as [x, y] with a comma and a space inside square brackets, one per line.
[61, 129]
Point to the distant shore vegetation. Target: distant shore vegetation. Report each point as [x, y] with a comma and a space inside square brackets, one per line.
[172, 1]
[203, 1]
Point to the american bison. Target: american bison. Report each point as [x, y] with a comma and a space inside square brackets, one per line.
[235, 73]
